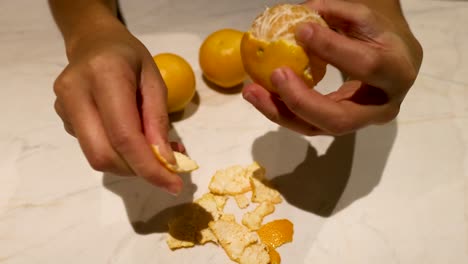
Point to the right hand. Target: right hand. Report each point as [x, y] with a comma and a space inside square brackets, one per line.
[112, 98]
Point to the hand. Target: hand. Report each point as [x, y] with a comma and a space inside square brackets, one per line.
[377, 52]
[112, 98]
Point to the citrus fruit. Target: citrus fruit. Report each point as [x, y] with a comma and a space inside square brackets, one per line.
[179, 79]
[220, 58]
[270, 43]
[276, 233]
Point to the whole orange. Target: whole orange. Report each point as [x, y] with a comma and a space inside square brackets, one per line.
[179, 79]
[270, 43]
[220, 58]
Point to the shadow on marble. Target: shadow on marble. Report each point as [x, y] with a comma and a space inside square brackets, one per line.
[149, 208]
[188, 111]
[325, 184]
[231, 90]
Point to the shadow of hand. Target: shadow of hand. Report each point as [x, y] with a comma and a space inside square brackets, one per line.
[325, 184]
[148, 207]
[317, 183]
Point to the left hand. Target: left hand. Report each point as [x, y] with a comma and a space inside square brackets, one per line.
[378, 53]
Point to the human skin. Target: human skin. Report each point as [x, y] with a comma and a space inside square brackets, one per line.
[111, 96]
[372, 44]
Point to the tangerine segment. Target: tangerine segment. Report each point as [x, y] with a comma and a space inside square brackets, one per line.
[220, 58]
[276, 233]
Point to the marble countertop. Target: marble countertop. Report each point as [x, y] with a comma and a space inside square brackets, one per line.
[396, 193]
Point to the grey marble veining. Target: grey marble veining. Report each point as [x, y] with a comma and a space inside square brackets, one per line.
[396, 193]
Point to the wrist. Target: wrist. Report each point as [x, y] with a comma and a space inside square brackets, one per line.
[94, 24]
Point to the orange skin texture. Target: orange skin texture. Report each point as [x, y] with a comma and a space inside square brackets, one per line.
[220, 58]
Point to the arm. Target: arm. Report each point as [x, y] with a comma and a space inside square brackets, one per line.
[372, 44]
[76, 18]
[111, 96]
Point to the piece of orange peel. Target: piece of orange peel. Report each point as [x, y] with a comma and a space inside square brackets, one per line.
[183, 162]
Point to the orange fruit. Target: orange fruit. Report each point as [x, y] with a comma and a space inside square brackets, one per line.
[220, 58]
[270, 43]
[276, 233]
[179, 79]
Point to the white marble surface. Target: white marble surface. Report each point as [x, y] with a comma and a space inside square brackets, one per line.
[396, 193]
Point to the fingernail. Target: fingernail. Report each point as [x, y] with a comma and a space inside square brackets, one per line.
[174, 189]
[250, 97]
[279, 77]
[304, 33]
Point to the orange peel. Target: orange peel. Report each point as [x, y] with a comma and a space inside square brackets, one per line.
[276, 232]
[183, 162]
[270, 44]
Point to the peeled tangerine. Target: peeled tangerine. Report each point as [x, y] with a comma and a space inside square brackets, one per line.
[270, 43]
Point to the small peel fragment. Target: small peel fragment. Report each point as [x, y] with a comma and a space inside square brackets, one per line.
[261, 189]
[232, 237]
[213, 204]
[174, 243]
[253, 220]
[242, 201]
[255, 170]
[183, 162]
[262, 192]
[255, 254]
[230, 181]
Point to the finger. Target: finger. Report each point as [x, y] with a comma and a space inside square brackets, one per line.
[276, 111]
[115, 97]
[357, 52]
[61, 113]
[353, 57]
[177, 146]
[85, 124]
[340, 14]
[334, 117]
[154, 109]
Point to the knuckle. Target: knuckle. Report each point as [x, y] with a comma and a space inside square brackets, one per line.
[390, 114]
[69, 129]
[100, 161]
[63, 83]
[121, 140]
[272, 116]
[372, 64]
[294, 103]
[104, 62]
[327, 47]
[58, 108]
[409, 76]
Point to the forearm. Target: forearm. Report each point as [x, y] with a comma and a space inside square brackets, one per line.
[76, 19]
